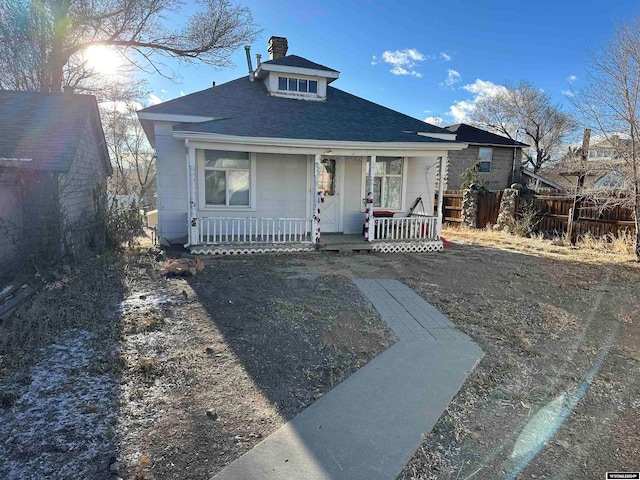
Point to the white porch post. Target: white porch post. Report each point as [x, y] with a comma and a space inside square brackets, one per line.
[315, 223]
[440, 197]
[193, 215]
[369, 223]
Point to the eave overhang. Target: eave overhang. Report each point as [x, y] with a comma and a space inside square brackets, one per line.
[311, 147]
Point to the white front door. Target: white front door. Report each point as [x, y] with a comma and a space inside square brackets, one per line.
[330, 182]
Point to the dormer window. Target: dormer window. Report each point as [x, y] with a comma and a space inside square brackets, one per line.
[292, 84]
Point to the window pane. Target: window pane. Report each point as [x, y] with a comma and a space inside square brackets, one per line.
[282, 83]
[377, 191]
[313, 86]
[394, 166]
[484, 167]
[485, 154]
[326, 180]
[392, 192]
[302, 85]
[214, 187]
[238, 187]
[293, 84]
[220, 159]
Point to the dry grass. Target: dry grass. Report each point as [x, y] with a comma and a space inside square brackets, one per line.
[83, 298]
[589, 249]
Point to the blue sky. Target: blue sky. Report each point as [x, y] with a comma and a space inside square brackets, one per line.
[425, 58]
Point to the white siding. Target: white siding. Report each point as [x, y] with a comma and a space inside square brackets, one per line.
[171, 177]
[281, 189]
[421, 182]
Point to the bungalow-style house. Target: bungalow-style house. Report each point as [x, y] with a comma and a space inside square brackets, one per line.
[53, 168]
[274, 159]
[498, 158]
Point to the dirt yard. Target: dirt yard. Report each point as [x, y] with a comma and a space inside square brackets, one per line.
[148, 377]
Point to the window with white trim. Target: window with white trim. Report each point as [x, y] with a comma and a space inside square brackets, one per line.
[227, 179]
[292, 84]
[485, 157]
[387, 182]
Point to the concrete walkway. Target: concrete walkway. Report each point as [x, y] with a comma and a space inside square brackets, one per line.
[369, 426]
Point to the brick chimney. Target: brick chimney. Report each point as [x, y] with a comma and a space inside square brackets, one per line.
[277, 47]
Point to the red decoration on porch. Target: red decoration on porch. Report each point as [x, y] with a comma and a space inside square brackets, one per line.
[368, 210]
[320, 198]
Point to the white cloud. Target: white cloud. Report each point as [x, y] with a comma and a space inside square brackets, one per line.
[154, 99]
[461, 109]
[374, 60]
[182, 94]
[483, 88]
[434, 120]
[567, 93]
[571, 78]
[453, 77]
[445, 56]
[403, 61]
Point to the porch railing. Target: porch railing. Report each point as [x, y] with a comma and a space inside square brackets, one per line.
[254, 230]
[405, 228]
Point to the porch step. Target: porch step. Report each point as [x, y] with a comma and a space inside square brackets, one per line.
[346, 247]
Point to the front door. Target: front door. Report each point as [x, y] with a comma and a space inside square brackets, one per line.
[329, 182]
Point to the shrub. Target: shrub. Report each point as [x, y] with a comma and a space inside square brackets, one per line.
[123, 224]
[527, 220]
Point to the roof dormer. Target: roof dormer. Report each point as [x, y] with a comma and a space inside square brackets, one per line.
[292, 76]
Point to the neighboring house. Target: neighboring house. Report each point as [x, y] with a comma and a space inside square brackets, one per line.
[562, 180]
[272, 159]
[53, 168]
[498, 158]
[604, 169]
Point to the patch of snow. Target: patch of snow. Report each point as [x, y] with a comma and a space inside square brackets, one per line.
[146, 300]
[6, 289]
[63, 422]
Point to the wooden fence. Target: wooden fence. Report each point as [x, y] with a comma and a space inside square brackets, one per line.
[553, 213]
[488, 207]
[594, 218]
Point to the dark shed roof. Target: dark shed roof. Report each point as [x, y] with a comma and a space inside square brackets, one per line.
[46, 127]
[474, 135]
[244, 108]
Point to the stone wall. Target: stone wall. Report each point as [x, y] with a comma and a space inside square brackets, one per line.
[507, 213]
[469, 208]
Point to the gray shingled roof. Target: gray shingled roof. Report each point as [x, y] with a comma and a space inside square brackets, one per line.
[246, 109]
[45, 127]
[296, 61]
[474, 135]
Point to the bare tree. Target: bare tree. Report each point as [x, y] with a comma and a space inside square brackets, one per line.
[528, 110]
[131, 155]
[610, 103]
[42, 39]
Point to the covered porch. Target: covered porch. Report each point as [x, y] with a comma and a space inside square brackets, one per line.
[381, 231]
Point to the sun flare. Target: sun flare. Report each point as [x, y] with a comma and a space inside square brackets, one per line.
[103, 60]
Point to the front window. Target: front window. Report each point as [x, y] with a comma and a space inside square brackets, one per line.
[227, 177]
[485, 156]
[387, 182]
